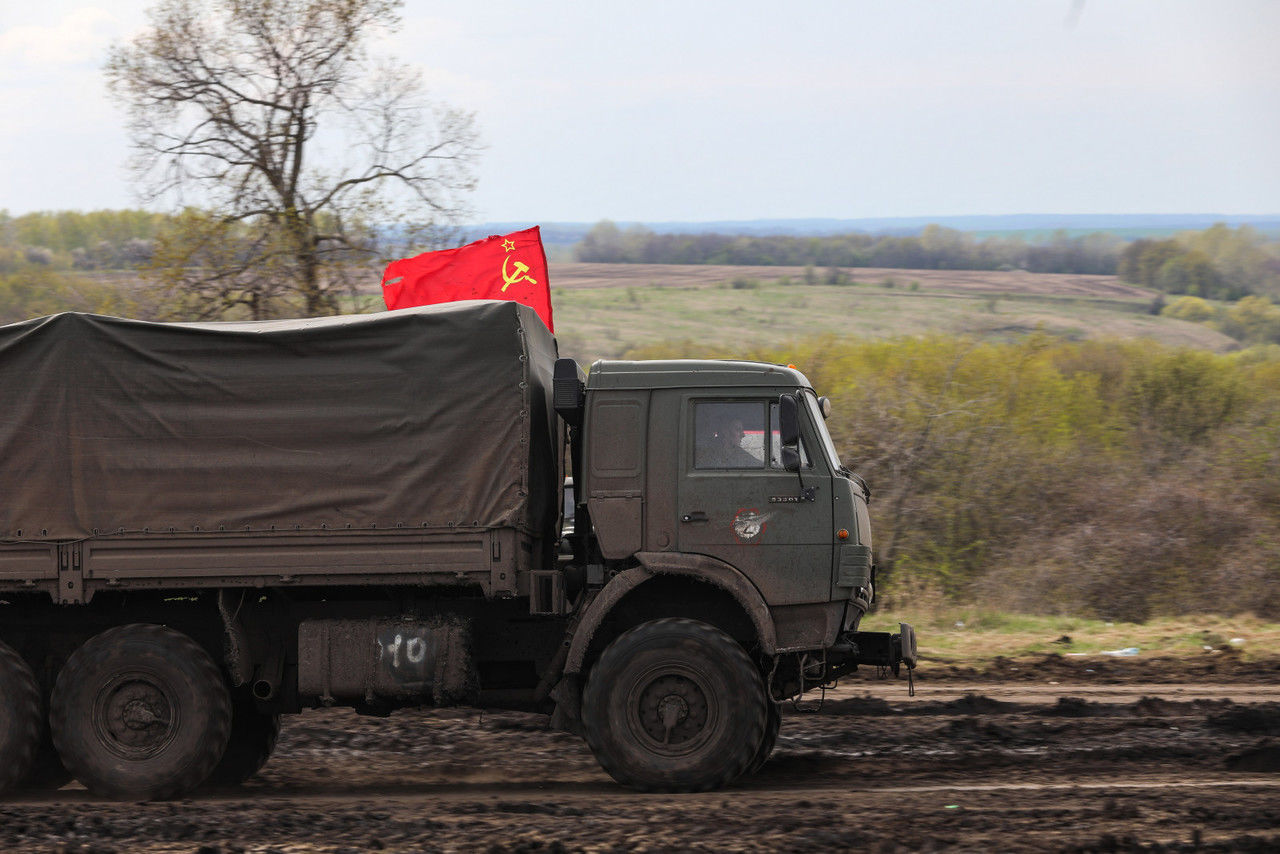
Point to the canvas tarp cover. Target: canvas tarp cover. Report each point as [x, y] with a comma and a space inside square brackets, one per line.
[435, 417]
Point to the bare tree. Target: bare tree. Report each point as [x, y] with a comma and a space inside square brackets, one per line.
[293, 153]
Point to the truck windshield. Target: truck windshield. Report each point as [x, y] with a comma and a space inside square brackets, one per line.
[820, 424]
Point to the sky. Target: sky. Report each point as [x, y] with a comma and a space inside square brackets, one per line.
[707, 110]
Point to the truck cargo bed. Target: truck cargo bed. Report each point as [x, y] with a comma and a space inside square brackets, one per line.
[416, 445]
[489, 560]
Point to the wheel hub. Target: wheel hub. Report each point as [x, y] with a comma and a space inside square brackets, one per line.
[672, 710]
[139, 715]
[134, 717]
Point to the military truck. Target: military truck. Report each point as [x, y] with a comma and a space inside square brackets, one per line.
[205, 526]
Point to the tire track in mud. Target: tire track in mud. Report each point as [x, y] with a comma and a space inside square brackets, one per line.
[1046, 768]
[536, 792]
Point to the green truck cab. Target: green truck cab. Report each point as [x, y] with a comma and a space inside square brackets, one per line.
[712, 491]
[206, 526]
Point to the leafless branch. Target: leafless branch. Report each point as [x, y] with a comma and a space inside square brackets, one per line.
[232, 104]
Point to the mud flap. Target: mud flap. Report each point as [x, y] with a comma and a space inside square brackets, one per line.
[567, 716]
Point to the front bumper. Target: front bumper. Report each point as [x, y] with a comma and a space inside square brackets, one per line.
[881, 649]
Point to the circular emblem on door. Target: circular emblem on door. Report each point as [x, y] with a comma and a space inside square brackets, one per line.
[749, 524]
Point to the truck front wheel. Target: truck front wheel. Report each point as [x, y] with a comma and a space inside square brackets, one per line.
[140, 712]
[19, 717]
[674, 705]
[773, 724]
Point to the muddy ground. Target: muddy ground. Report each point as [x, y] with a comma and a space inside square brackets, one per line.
[1056, 755]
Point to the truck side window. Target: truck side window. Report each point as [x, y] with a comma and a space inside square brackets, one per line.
[775, 443]
[729, 435]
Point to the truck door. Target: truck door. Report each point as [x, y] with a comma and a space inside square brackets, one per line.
[738, 504]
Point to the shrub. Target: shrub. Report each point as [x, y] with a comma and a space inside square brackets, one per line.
[1253, 320]
[1193, 309]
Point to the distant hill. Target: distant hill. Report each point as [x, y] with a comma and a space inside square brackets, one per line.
[1029, 225]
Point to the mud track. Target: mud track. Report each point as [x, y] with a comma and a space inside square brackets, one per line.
[1145, 757]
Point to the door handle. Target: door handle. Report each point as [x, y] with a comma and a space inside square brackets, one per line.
[695, 516]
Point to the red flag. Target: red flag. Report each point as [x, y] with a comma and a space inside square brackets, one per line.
[507, 266]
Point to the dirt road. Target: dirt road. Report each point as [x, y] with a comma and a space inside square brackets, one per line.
[1096, 762]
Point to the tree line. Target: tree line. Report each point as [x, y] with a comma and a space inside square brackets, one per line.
[79, 240]
[935, 248]
[1216, 263]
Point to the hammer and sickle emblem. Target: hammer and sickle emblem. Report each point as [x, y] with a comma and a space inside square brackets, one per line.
[518, 276]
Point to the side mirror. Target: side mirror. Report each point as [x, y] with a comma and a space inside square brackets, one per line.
[789, 420]
[789, 431]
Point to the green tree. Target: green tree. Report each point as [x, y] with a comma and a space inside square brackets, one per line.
[1244, 259]
[270, 117]
[1253, 320]
[1189, 308]
[35, 291]
[1184, 395]
[1189, 272]
[1141, 260]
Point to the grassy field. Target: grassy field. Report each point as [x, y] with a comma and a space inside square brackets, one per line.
[971, 636]
[608, 310]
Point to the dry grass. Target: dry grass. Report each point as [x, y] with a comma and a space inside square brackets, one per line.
[971, 636]
[607, 310]
[575, 275]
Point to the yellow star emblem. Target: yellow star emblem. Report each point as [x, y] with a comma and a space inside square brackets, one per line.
[508, 245]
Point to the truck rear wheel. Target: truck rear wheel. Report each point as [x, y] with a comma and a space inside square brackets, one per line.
[140, 712]
[47, 773]
[674, 705]
[19, 717]
[253, 737]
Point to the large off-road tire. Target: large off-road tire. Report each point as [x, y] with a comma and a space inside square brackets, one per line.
[47, 773]
[140, 712]
[674, 705]
[19, 717]
[253, 737]
[773, 723]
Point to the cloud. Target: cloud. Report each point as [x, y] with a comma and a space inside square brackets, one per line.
[58, 122]
[79, 38]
